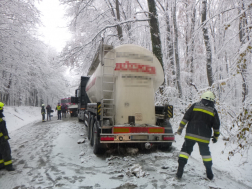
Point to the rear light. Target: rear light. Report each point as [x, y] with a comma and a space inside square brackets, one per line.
[168, 138]
[107, 138]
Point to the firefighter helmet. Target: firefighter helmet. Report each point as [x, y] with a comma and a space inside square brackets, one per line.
[43, 105]
[208, 95]
[1, 105]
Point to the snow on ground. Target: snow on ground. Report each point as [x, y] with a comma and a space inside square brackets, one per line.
[17, 117]
[57, 154]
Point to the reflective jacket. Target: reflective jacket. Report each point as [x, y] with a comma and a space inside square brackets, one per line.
[58, 107]
[201, 118]
[42, 110]
[4, 135]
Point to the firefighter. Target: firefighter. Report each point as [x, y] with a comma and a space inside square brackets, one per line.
[5, 151]
[58, 108]
[43, 112]
[200, 118]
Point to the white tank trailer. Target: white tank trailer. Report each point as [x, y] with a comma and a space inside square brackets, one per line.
[122, 89]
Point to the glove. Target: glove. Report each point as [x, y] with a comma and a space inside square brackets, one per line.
[179, 131]
[214, 139]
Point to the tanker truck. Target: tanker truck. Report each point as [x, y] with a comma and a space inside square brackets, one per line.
[121, 86]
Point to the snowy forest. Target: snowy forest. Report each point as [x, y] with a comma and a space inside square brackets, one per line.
[201, 44]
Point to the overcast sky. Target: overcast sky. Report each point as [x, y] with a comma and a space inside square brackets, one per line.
[54, 31]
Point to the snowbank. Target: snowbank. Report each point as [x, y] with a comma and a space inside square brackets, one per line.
[16, 117]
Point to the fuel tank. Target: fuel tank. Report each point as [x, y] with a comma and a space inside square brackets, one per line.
[129, 75]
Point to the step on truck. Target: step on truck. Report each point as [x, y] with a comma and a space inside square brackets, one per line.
[121, 86]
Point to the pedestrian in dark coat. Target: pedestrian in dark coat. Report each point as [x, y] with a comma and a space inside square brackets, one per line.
[43, 112]
[64, 109]
[48, 111]
[58, 108]
[5, 150]
[200, 118]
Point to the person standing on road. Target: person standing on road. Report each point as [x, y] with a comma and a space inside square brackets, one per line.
[200, 118]
[58, 108]
[5, 150]
[43, 112]
[63, 109]
[48, 111]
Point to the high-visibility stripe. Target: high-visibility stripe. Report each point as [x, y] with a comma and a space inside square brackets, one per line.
[183, 122]
[1, 160]
[204, 111]
[8, 162]
[121, 130]
[156, 130]
[138, 130]
[1, 119]
[6, 137]
[183, 156]
[207, 159]
[1, 134]
[196, 139]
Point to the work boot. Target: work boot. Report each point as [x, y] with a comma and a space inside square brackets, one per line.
[209, 173]
[180, 170]
[9, 167]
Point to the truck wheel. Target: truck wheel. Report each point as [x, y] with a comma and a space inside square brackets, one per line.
[84, 121]
[88, 126]
[165, 146]
[91, 131]
[98, 147]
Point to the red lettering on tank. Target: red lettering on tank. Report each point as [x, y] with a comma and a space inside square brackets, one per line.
[135, 67]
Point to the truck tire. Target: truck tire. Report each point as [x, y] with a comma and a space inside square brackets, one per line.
[98, 148]
[165, 146]
[88, 126]
[91, 130]
[84, 121]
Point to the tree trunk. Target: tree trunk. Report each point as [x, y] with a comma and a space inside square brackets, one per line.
[154, 30]
[119, 28]
[207, 44]
[169, 41]
[243, 66]
[176, 51]
[192, 44]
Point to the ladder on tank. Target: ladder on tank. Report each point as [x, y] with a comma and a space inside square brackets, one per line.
[108, 79]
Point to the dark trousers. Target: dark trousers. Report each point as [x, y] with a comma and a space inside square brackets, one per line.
[43, 116]
[187, 149]
[5, 154]
[59, 114]
[64, 114]
[48, 115]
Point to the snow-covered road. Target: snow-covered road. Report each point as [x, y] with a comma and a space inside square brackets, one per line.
[47, 155]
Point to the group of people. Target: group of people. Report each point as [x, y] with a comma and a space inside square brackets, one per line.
[201, 118]
[60, 109]
[47, 111]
